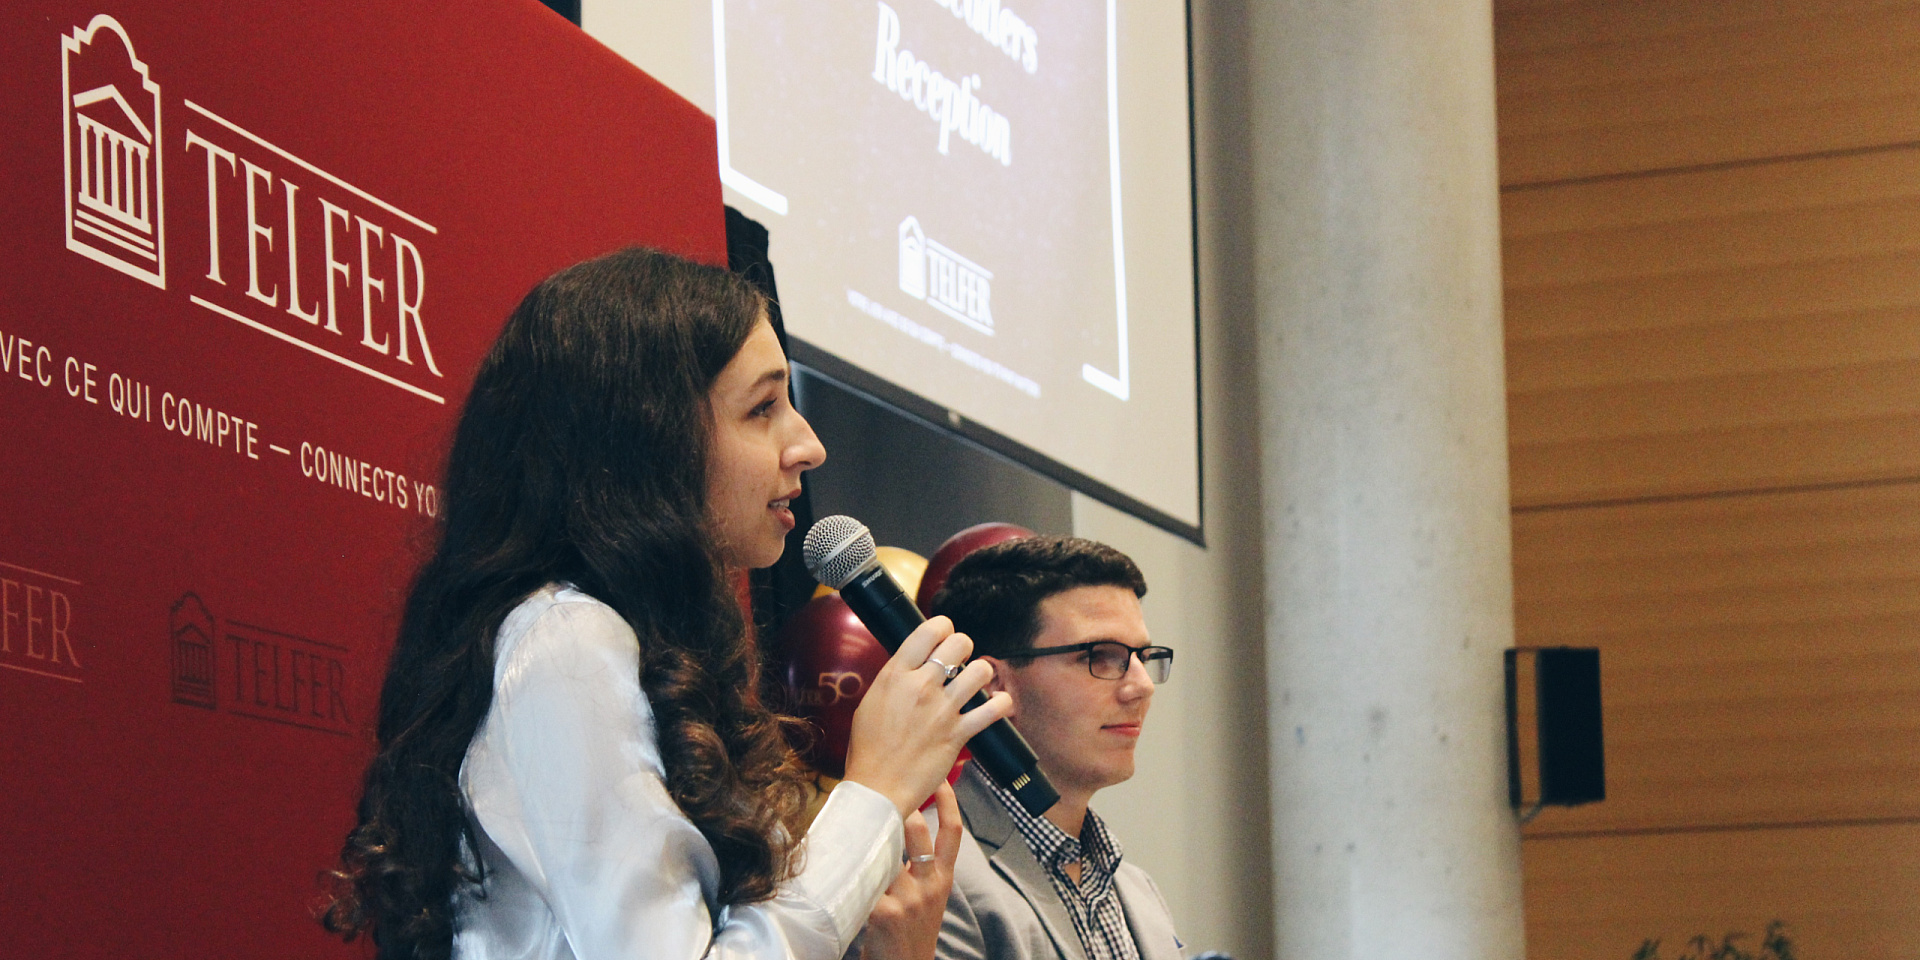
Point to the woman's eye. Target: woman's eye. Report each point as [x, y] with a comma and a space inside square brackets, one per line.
[762, 408]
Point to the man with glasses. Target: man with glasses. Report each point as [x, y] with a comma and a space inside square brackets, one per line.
[1059, 619]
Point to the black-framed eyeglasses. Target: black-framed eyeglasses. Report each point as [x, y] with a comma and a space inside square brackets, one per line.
[1109, 659]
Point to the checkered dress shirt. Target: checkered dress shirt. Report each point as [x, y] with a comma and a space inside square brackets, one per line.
[1094, 902]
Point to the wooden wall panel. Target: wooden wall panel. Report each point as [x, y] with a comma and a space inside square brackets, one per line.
[1610, 86]
[1719, 330]
[1761, 654]
[1846, 892]
[1711, 220]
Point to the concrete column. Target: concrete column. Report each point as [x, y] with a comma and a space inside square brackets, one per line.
[1384, 462]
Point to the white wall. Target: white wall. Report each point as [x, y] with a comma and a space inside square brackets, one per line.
[672, 40]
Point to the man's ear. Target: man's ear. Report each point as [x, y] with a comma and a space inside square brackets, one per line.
[1003, 679]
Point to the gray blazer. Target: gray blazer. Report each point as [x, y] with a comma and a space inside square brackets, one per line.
[1003, 906]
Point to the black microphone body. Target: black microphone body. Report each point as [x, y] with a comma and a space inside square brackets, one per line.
[889, 614]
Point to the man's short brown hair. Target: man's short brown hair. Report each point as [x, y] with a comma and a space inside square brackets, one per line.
[993, 595]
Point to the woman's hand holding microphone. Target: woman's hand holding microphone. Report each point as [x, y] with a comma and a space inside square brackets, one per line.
[906, 733]
[908, 728]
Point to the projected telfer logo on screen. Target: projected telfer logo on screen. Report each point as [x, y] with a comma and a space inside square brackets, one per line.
[947, 281]
[941, 182]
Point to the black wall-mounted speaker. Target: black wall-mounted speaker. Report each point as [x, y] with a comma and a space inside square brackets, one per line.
[1556, 753]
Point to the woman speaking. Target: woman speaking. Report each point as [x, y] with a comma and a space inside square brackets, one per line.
[573, 759]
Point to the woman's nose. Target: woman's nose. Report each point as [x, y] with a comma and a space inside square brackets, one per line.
[804, 449]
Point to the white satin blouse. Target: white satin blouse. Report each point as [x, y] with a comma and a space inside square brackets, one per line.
[587, 855]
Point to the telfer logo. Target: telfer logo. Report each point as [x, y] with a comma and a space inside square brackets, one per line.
[947, 281]
[193, 634]
[275, 676]
[112, 136]
[116, 216]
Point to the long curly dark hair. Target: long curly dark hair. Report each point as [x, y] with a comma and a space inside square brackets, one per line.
[580, 457]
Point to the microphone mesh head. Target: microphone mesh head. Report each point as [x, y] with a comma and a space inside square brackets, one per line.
[837, 548]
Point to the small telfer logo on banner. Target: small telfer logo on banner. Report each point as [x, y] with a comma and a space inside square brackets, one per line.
[192, 631]
[273, 675]
[112, 137]
[37, 623]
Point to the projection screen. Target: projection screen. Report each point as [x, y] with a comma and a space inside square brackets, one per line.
[981, 211]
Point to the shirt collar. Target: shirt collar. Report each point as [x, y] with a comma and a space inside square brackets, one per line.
[1096, 849]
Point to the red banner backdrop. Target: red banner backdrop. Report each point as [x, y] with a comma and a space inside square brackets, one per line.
[253, 255]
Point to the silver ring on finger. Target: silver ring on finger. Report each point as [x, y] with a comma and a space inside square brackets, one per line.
[921, 858]
[947, 669]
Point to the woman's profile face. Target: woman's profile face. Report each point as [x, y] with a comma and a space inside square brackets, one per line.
[759, 447]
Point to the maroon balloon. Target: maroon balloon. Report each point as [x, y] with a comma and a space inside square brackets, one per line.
[957, 546]
[831, 660]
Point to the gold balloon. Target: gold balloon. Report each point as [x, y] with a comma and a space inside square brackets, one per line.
[906, 566]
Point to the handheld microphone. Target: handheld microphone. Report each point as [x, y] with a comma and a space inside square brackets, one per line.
[839, 552]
